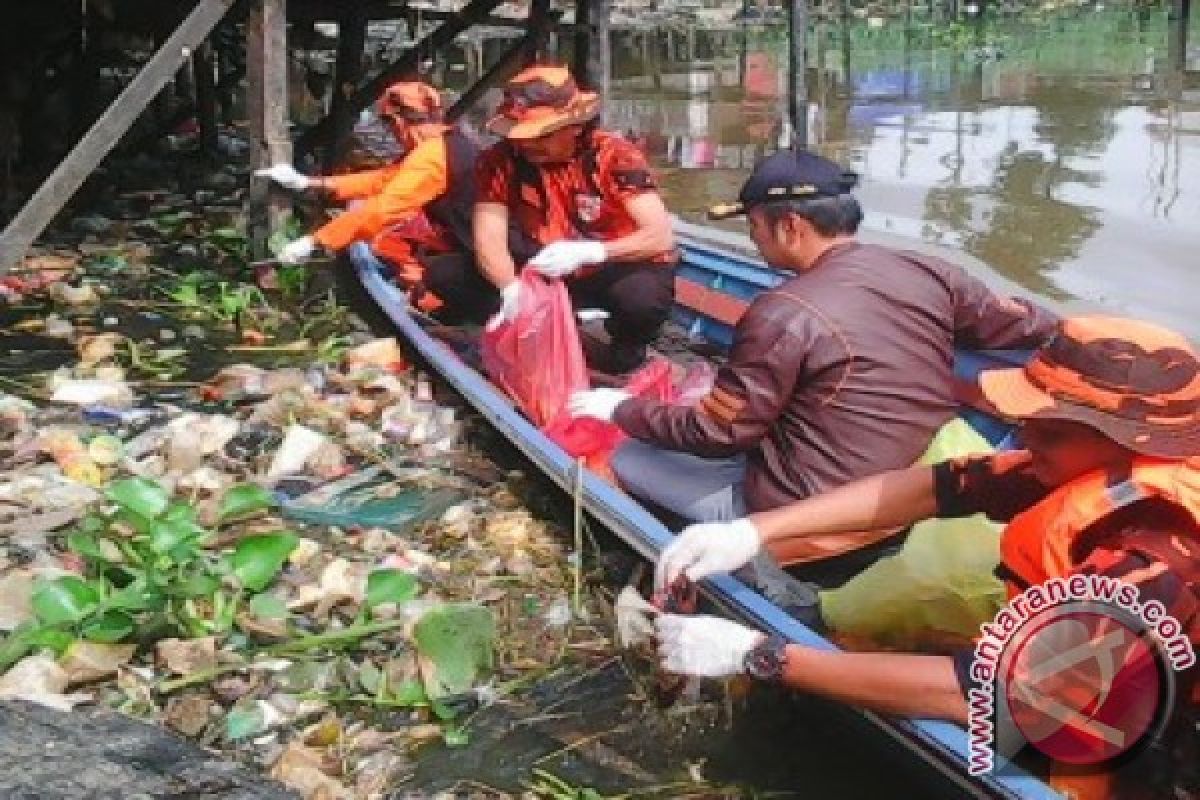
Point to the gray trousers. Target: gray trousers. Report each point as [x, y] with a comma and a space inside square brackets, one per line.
[697, 489]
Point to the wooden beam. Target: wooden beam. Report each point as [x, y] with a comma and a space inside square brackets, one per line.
[104, 134]
[267, 108]
[405, 65]
[510, 63]
[352, 39]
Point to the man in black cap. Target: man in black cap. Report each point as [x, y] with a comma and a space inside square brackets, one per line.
[841, 372]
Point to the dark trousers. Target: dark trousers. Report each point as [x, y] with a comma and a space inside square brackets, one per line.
[638, 296]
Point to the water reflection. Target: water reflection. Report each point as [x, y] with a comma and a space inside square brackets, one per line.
[1063, 149]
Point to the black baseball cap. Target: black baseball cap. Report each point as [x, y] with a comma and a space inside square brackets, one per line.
[788, 174]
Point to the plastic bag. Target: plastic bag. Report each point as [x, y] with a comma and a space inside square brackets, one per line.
[538, 360]
[934, 594]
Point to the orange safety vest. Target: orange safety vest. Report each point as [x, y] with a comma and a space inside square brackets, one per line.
[1040, 543]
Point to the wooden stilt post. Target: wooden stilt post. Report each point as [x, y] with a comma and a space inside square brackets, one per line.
[1177, 31]
[593, 65]
[71, 172]
[797, 72]
[539, 22]
[267, 108]
[352, 37]
[206, 97]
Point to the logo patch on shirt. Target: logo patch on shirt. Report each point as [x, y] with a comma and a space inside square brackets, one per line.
[587, 207]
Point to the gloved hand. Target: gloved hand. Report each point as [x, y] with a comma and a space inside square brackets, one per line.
[298, 251]
[707, 549]
[558, 259]
[708, 646]
[598, 403]
[286, 176]
[510, 306]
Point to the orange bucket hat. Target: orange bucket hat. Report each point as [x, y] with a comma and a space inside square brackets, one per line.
[540, 100]
[414, 101]
[1135, 382]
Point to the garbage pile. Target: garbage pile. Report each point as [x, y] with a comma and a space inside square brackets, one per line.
[301, 566]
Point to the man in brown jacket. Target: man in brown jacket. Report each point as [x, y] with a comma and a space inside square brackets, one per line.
[843, 371]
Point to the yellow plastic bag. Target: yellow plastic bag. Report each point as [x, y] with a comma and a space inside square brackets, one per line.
[933, 595]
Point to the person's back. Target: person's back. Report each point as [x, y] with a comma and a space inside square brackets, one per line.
[874, 332]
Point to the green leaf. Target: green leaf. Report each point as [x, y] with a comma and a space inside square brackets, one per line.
[14, 646]
[409, 693]
[258, 559]
[138, 596]
[53, 639]
[66, 599]
[111, 626]
[370, 677]
[245, 721]
[166, 535]
[268, 606]
[455, 641]
[92, 523]
[142, 497]
[196, 584]
[245, 499]
[455, 737]
[85, 544]
[390, 586]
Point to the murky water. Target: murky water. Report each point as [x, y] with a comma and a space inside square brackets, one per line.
[1062, 148]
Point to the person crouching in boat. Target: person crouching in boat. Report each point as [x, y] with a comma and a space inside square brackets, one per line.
[842, 371]
[588, 199]
[1109, 486]
[411, 211]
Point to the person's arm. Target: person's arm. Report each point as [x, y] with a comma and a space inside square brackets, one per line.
[750, 391]
[890, 683]
[489, 224]
[985, 320]
[418, 180]
[653, 235]
[353, 184]
[893, 499]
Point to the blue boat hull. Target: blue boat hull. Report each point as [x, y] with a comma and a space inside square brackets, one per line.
[940, 745]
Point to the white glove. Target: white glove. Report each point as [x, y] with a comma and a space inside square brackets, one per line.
[286, 176]
[708, 646]
[598, 403]
[709, 548]
[558, 259]
[298, 251]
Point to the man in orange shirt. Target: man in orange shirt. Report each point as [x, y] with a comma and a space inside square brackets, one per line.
[411, 210]
[587, 198]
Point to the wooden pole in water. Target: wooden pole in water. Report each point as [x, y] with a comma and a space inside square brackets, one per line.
[267, 110]
[106, 131]
[593, 64]
[1177, 32]
[797, 67]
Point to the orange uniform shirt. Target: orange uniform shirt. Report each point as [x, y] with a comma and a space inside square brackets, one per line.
[393, 194]
[575, 207]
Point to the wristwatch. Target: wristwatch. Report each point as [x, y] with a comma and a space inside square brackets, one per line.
[765, 662]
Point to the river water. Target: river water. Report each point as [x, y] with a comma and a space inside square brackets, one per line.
[1062, 148]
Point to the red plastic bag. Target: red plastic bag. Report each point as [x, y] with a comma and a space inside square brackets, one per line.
[538, 360]
[537, 357]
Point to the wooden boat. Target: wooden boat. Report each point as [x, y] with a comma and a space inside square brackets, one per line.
[714, 285]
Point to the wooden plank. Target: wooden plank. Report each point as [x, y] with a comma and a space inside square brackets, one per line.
[267, 107]
[104, 134]
[407, 64]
